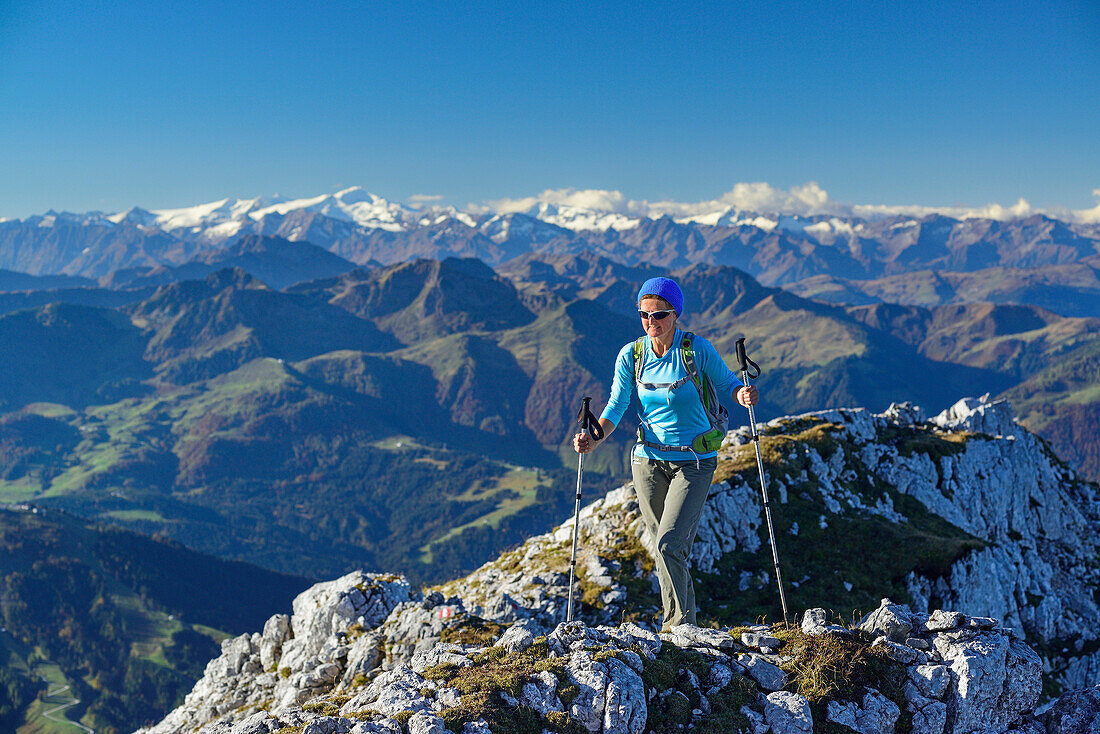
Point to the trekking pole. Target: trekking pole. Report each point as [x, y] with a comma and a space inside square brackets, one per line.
[745, 364]
[587, 424]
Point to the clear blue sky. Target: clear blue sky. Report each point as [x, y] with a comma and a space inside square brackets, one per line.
[108, 105]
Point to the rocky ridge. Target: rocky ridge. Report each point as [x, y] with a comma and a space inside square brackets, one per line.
[365, 653]
[321, 671]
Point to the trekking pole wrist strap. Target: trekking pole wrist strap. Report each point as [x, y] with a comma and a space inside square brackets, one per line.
[588, 422]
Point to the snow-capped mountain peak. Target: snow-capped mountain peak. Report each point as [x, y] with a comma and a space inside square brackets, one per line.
[135, 215]
[355, 195]
[227, 217]
[580, 218]
[193, 218]
[350, 205]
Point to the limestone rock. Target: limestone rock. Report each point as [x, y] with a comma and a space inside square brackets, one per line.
[440, 654]
[1023, 672]
[364, 655]
[905, 414]
[410, 628]
[1037, 522]
[541, 693]
[730, 521]
[631, 635]
[876, 714]
[591, 678]
[892, 621]
[996, 680]
[569, 636]
[385, 726]
[979, 416]
[719, 677]
[391, 693]
[987, 679]
[941, 621]
[689, 635]
[843, 713]
[447, 698]
[770, 677]
[260, 722]
[814, 623]
[327, 608]
[931, 680]
[756, 720]
[625, 710]
[930, 718]
[788, 713]
[901, 653]
[633, 659]
[1076, 712]
[759, 639]
[424, 723]
[276, 632]
[519, 636]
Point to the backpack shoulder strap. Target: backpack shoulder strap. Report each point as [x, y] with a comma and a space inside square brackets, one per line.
[687, 353]
[639, 350]
[702, 382]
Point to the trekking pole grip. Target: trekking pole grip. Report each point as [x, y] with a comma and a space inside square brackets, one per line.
[746, 365]
[587, 422]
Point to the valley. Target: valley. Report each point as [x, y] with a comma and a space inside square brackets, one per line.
[311, 410]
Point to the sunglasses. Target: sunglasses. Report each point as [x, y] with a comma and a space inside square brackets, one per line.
[655, 315]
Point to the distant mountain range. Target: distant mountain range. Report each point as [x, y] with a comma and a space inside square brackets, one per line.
[1071, 290]
[362, 228]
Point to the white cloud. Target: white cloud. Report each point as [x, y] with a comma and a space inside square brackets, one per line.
[806, 200]
[1019, 210]
[594, 199]
[760, 197]
[1089, 216]
[425, 198]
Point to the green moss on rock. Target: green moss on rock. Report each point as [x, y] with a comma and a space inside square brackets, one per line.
[494, 672]
[471, 630]
[325, 708]
[673, 713]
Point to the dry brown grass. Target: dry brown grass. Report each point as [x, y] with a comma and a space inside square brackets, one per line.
[831, 666]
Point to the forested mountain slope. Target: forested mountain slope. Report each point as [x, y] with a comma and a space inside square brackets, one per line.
[128, 620]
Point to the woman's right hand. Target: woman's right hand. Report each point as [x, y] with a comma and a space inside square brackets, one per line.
[583, 443]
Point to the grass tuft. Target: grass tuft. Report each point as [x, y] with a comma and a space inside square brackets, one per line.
[471, 630]
[494, 672]
[830, 667]
[325, 708]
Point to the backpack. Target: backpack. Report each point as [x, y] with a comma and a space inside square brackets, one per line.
[710, 440]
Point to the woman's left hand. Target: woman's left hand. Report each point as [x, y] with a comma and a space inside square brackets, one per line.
[748, 395]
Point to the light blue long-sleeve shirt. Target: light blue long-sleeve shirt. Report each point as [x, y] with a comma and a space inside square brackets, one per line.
[673, 418]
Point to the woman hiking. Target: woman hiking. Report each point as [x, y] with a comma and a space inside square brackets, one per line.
[682, 427]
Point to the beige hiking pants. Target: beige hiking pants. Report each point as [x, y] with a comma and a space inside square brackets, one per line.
[671, 495]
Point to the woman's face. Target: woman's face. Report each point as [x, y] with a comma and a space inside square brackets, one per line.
[657, 329]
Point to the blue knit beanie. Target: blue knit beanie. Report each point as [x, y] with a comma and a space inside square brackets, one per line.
[667, 289]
